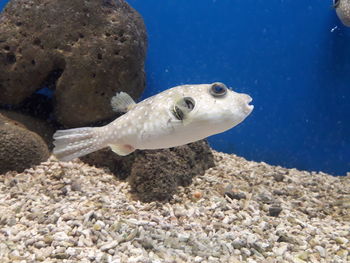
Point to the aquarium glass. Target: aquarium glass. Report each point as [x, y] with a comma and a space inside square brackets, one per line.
[291, 56]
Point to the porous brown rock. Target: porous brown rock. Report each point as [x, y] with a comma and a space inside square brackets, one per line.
[198, 158]
[38, 126]
[155, 175]
[120, 166]
[85, 50]
[19, 147]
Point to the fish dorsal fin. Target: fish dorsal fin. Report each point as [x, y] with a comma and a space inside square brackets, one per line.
[122, 102]
[122, 149]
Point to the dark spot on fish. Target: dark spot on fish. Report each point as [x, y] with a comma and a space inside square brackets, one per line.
[178, 113]
[185, 105]
[189, 102]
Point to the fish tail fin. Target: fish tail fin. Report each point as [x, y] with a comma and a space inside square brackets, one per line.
[74, 143]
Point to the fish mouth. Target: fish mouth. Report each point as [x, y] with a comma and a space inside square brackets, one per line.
[248, 107]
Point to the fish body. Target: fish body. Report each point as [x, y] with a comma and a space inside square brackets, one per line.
[174, 117]
[342, 8]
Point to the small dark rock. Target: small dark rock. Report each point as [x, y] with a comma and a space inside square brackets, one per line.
[265, 198]
[275, 211]
[239, 243]
[235, 195]
[60, 256]
[64, 191]
[278, 177]
[284, 237]
[146, 243]
[76, 186]
[229, 192]
[279, 192]
[13, 182]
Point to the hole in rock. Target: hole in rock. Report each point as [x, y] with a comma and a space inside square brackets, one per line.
[37, 42]
[40, 103]
[51, 79]
[11, 58]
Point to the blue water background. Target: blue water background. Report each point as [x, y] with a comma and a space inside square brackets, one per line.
[2, 4]
[291, 56]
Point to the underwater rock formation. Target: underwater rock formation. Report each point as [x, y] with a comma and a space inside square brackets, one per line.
[19, 147]
[155, 175]
[118, 165]
[38, 126]
[85, 50]
[197, 157]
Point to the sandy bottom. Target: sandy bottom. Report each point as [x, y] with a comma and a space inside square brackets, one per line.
[238, 211]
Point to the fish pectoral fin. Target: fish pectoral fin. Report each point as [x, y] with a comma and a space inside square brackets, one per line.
[122, 102]
[186, 121]
[122, 149]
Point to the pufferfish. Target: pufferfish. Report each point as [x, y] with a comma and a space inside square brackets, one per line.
[342, 7]
[174, 117]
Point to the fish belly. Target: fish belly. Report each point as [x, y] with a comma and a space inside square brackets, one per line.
[176, 138]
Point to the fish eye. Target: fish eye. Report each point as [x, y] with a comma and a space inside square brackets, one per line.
[218, 89]
[336, 3]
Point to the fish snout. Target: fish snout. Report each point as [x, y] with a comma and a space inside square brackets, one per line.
[245, 100]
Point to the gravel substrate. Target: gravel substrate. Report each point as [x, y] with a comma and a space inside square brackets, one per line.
[239, 211]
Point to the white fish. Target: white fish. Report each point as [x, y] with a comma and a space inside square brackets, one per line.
[342, 7]
[174, 117]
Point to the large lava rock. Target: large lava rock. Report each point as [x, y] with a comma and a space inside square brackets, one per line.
[120, 166]
[85, 50]
[19, 147]
[156, 174]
